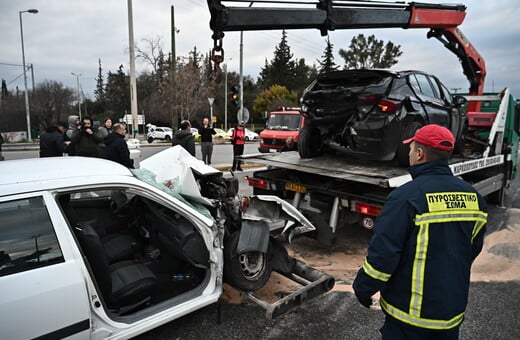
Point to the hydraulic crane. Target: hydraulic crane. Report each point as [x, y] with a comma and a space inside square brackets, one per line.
[442, 20]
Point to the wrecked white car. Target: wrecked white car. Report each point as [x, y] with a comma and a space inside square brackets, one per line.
[89, 249]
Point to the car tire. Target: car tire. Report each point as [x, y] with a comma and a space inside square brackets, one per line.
[167, 138]
[150, 140]
[404, 149]
[249, 271]
[309, 142]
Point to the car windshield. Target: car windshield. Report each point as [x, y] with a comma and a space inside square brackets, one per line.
[280, 121]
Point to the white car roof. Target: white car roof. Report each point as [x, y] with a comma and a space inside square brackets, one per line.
[41, 170]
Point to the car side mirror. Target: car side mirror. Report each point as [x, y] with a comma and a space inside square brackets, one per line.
[459, 100]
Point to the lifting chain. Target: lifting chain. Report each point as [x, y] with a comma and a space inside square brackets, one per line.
[217, 55]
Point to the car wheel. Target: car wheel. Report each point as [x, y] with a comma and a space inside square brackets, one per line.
[150, 139]
[404, 149]
[247, 139]
[248, 271]
[167, 138]
[309, 142]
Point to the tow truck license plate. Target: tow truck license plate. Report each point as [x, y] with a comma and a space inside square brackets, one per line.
[295, 187]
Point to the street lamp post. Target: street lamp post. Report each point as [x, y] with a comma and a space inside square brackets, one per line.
[27, 110]
[79, 93]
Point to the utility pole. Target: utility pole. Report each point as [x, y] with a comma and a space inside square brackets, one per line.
[79, 93]
[133, 83]
[225, 96]
[173, 68]
[27, 109]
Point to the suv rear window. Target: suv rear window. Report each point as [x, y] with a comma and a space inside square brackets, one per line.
[356, 79]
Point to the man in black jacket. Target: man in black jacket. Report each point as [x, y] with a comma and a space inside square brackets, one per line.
[185, 138]
[86, 140]
[116, 148]
[426, 237]
[52, 141]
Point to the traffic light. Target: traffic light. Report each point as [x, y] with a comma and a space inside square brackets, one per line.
[235, 100]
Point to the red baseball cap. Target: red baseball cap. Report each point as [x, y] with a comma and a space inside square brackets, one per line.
[435, 136]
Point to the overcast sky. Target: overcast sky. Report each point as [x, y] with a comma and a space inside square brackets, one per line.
[70, 36]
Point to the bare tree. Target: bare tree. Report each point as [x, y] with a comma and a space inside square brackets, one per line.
[152, 53]
[51, 103]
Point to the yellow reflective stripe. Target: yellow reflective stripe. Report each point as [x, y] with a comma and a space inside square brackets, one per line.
[419, 264]
[477, 228]
[418, 321]
[461, 215]
[374, 273]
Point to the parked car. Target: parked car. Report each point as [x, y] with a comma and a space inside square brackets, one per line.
[159, 132]
[369, 112]
[250, 135]
[106, 252]
[134, 146]
[220, 137]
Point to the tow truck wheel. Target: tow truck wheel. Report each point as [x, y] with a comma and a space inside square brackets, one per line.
[248, 271]
[404, 149]
[309, 142]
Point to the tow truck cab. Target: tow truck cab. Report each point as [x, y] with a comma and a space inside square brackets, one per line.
[281, 124]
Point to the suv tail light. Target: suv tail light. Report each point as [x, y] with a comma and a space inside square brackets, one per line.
[387, 106]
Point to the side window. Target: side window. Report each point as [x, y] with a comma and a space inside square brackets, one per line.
[414, 83]
[424, 85]
[436, 88]
[447, 95]
[27, 238]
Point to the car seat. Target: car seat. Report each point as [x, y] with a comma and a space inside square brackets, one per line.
[124, 285]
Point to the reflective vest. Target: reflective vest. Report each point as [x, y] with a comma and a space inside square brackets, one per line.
[426, 237]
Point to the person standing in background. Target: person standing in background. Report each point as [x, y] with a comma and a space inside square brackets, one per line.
[52, 141]
[116, 148]
[184, 137]
[238, 139]
[104, 131]
[206, 140]
[86, 140]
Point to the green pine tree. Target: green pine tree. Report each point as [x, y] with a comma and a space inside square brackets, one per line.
[327, 63]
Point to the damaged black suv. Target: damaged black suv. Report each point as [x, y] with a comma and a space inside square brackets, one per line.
[369, 112]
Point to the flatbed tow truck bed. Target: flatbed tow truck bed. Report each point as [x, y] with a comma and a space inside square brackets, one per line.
[342, 167]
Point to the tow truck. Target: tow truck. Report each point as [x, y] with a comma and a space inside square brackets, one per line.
[333, 189]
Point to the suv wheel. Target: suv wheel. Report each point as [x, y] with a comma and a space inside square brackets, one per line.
[309, 142]
[150, 139]
[167, 138]
[404, 149]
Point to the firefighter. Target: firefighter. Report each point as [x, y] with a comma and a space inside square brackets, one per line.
[427, 235]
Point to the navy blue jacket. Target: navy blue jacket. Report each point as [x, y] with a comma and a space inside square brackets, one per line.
[426, 238]
[52, 142]
[116, 150]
